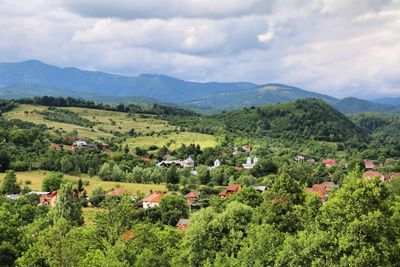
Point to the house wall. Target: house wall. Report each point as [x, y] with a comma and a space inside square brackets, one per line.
[147, 204]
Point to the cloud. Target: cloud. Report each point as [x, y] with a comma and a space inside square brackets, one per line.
[337, 47]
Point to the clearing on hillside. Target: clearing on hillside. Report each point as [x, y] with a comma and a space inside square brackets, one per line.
[105, 121]
[173, 140]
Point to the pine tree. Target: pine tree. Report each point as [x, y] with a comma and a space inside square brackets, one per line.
[9, 185]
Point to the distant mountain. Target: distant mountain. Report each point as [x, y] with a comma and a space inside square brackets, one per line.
[160, 87]
[388, 100]
[34, 78]
[260, 96]
[354, 105]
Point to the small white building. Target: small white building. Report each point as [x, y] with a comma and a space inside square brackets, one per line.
[299, 158]
[188, 163]
[79, 143]
[153, 200]
[250, 163]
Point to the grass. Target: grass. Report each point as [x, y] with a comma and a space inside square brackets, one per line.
[173, 140]
[89, 214]
[106, 121]
[36, 178]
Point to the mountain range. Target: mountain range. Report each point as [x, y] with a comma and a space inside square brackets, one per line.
[34, 78]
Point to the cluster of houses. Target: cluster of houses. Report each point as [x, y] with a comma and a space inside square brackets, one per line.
[45, 198]
[80, 144]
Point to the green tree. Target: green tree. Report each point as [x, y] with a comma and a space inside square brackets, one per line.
[173, 208]
[171, 175]
[52, 182]
[68, 206]
[9, 184]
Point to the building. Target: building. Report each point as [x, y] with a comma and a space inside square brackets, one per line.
[329, 162]
[374, 174]
[153, 200]
[79, 143]
[250, 163]
[322, 189]
[188, 163]
[183, 224]
[55, 146]
[116, 192]
[299, 158]
[370, 164]
[230, 190]
[260, 188]
[217, 163]
[46, 198]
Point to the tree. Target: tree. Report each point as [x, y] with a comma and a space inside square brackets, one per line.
[98, 196]
[173, 208]
[80, 185]
[105, 172]
[171, 175]
[249, 196]
[4, 160]
[68, 206]
[9, 184]
[263, 168]
[52, 182]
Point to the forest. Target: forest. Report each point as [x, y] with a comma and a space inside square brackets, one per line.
[279, 215]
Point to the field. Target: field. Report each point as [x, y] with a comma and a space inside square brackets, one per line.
[106, 121]
[36, 178]
[173, 140]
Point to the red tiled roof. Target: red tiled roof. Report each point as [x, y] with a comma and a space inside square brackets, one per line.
[370, 164]
[146, 159]
[116, 192]
[329, 162]
[128, 235]
[155, 197]
[372, 174]
[238, 168]
[230, 190]
[193, 194]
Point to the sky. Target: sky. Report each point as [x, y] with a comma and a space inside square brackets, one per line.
[337, 47]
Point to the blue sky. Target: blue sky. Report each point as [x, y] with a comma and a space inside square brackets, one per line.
[337, 47]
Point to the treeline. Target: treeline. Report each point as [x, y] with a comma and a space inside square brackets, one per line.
[66, 116]
[156, 109]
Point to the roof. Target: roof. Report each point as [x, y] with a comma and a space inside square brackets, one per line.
[372, 174]
[230, 190]
[370, 164]
[322, 189]
[146, 159]
[330, 162]
[183, 224]
[116, 192]
[155, 197]
[238, 168]
[193, 194]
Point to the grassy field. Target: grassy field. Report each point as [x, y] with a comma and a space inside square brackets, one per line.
[36, 178]
[106, 121]
[173, 140]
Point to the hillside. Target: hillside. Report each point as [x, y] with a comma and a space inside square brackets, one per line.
[354, 105]
[46, 78]
[302, 119]
[388, 100]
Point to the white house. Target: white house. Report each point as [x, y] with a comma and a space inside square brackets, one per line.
[188, 163]
[217, 163]
[250, 163]
[153, 200]
[299, 158]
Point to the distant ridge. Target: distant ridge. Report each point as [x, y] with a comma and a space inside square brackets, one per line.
[34, 78]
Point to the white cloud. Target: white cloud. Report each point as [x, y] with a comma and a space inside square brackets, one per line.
[336, 47]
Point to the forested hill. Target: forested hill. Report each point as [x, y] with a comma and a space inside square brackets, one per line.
[302, 119]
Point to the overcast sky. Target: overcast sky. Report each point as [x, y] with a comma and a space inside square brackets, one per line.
[338, 47]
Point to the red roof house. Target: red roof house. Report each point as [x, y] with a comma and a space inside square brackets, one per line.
[153, 200]
[183, 224]
[329, 162]
[230, 190]
[370, 164]
[373, 174]
[322, 189]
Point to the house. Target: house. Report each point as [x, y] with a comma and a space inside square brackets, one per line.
[153, 200]
[230, 190]
[217, 163]
[14, 196]
[46, 198]
[374, 174]
[260, 188]
[322, 189]
[393, 175]
[370, 164]
[250, 163]
[169, 163]
[145, 160]
[299, 158]
[116, 192]
[79, 143]
[246, 148]
[183, 224]
[193, 196]
[238, 168]
[329, 162]
[188, 163]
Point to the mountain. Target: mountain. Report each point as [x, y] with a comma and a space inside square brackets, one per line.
[301, 119]
[263, 95]
[388, 100]
[354, 105]
[160, 87]
[34, 78]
